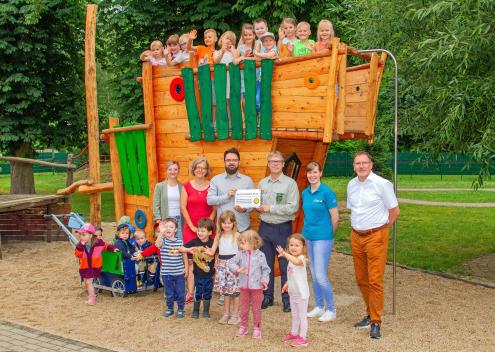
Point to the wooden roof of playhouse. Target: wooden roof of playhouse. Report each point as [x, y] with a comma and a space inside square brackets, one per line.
[306, 102]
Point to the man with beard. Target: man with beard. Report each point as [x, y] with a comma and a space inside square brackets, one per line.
[224, 186]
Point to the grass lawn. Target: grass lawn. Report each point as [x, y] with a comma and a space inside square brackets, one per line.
[434, 238]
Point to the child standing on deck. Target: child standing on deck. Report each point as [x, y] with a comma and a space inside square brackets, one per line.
[156, 55]
[324, 36]
[303, 45]
[254, 273]
[174, 267]
[88, 250]
[204, 52]
[298, 289]
[286, 35]
[260, 27]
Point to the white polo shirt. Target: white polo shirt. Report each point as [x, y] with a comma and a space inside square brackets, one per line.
[369, 201]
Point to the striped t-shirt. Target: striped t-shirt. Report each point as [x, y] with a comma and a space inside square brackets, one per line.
[172, 261]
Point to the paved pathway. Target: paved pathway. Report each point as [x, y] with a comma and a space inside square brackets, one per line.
[447, 204]
[445, 189]
[15, 337]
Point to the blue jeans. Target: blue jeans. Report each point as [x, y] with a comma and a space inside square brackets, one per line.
[319, 253]
[174, 287]
[204, 287]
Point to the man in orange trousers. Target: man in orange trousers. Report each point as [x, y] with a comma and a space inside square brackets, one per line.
[374, 208]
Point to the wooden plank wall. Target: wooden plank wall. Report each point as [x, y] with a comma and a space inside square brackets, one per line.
[356, 107]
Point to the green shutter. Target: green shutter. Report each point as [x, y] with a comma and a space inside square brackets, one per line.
[222, 121]
[235, 101]
[266, 99]
[250, 98]
[191, 106]
[206, 94]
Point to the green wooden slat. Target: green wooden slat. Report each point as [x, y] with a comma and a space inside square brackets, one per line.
[250, 98]
[191, 106]
[235, 101]
[222, 120]
[266, 99]
[130, 145]
[124, 167]
[206, 95]
[140, 138]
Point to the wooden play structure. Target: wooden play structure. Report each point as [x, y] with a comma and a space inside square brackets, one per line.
[306, 103]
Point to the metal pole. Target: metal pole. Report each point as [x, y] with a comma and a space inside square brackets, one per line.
[396, 130]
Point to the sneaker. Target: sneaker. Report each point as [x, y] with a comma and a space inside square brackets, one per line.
[289, 337]
[299, 342]
[180, 314]
[363, 324]
[241, 332]
[189, 298]
[316, 312]
[220, 301]
[224, 319]
[168, 313]
[328, 316]
[234, 320]
[256, 333]
[375, 332]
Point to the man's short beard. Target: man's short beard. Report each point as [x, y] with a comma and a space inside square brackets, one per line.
[231, 171]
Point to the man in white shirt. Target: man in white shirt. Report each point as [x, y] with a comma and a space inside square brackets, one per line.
[374, 208]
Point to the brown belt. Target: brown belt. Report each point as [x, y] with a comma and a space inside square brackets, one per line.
[370, 231]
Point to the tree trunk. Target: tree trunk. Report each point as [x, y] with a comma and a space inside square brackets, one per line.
[21, 174]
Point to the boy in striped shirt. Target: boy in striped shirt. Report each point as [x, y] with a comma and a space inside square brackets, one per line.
[174, 266]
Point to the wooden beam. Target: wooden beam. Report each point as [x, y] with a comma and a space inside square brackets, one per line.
[372, 94]
[28, 202]
[96, 188]
[92, 111]
[144, 126]
[381, 68]
[118, 187]
[149, 118]
[342, 85]
[37, 162]
[330, 99]
[73, 187]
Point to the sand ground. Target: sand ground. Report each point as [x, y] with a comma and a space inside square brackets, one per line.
[39, 287]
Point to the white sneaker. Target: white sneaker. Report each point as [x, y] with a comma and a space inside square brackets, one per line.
[315, 312]
[328, 316]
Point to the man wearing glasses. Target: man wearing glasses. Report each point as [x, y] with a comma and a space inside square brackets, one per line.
[279, 204]
[374, 208]
[223, 187]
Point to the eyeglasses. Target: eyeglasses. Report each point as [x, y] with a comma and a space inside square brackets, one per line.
[231, 160]
[275, 161]
[362, 163]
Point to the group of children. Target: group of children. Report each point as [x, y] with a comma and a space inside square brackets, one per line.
[240, 275]
[256, 42]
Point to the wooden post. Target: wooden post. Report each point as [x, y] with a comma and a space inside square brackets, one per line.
[383, 58]
[149, 118]
[330, 102]
[92, 112]
[372, 93]
[342, 86]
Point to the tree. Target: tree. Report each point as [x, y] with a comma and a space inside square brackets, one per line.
[447, 71]
[41, 80]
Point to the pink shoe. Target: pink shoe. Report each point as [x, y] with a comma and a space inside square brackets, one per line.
[299, 342]
[241, 332]
[91, 300]
[256, 333]
[189, 298]
[289, 337]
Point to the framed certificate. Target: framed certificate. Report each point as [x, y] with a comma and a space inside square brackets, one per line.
[248, 198]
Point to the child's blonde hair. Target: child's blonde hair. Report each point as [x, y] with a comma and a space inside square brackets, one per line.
[252, 238]
[248, 27]
[290, 20]
[226, 215]
[139, 232]
[173, 40]
[184, 38]
[227, 35]
[156, 44]
[303, 23]
[325, 24]
[211, 30]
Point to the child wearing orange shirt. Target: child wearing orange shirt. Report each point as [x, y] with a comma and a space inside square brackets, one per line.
[205, 52]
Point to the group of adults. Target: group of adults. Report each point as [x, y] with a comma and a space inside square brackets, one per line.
[370, 198]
